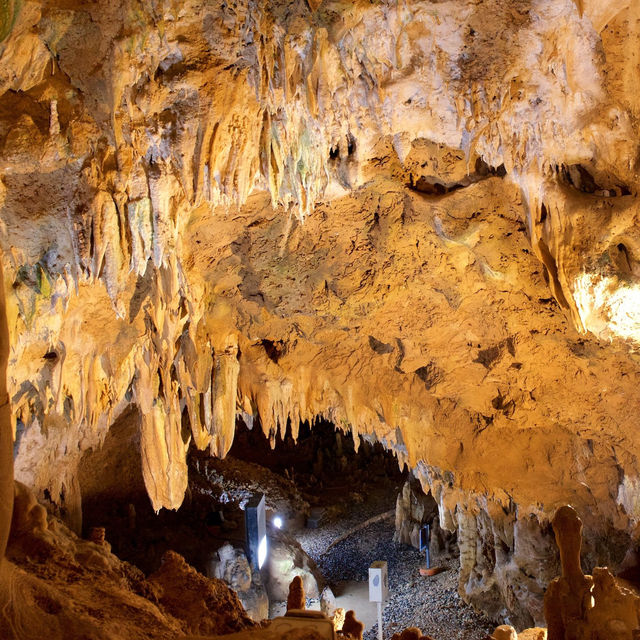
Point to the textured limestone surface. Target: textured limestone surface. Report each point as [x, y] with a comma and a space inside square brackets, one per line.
[583, 606]
[61, 587]
[414, 509]
[415, 219]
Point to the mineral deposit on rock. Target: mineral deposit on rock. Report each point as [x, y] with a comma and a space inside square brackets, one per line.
[417, 220]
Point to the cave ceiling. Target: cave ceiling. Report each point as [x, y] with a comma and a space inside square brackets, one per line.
[415, 219]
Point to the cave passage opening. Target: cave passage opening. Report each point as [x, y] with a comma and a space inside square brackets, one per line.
[320, 476]
[340, 504]
[324, 463]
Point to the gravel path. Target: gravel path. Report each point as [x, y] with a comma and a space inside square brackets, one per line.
[341, 519]
[431, 604]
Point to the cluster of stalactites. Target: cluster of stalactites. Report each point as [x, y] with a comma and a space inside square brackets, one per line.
[302, 106]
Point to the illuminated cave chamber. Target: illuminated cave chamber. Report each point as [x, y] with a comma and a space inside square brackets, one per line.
[339, 510]
[418, 219]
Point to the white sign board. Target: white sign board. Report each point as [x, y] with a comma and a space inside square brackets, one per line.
[256, 529]
[378, 581]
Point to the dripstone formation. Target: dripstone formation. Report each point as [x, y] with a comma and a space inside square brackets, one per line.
[417, 220]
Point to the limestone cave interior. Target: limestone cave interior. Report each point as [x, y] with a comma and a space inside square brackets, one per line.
[319, 319]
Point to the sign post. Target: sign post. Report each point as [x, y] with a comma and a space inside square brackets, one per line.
[378, 588]
[425, 539]
[425, 536]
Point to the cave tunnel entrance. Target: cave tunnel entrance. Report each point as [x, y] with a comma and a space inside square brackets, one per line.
[323, 463]
[339, 507]
[319, 478]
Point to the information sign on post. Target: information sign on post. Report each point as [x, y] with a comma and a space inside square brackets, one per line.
[378, 581]
[378, 588]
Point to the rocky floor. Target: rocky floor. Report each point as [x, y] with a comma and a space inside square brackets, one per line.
[432, 604]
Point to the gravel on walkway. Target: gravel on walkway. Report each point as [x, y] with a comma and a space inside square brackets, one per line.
[431, 604]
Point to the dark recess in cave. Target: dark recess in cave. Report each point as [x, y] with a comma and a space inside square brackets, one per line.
[114, 496]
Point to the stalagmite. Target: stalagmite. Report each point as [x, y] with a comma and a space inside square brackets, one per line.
[568, 597]
[579, 606]
[352, 627]
[296, 599]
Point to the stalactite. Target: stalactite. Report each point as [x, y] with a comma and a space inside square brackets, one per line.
[224, 395]
[194, 369]
[157, 391]
[142, 238]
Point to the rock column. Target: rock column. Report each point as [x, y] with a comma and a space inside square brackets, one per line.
[6, 437]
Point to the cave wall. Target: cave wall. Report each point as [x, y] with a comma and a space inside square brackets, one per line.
[6, 440]
[416, 221]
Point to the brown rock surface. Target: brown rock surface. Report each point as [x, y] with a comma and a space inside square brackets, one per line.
[413, 509]
[296, 599]
[533, 634]
[61, 587]
[582, 607]
[6, 448]
[206, 605]
[352, 627]
[417, 220]
[504, 632]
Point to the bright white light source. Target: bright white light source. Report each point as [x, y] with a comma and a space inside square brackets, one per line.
[262, 551]
[277, 522]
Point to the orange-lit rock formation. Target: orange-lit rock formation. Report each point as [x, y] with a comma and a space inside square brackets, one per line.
[59, 586]
[416, 219]
[296, 599]
[581, 606]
